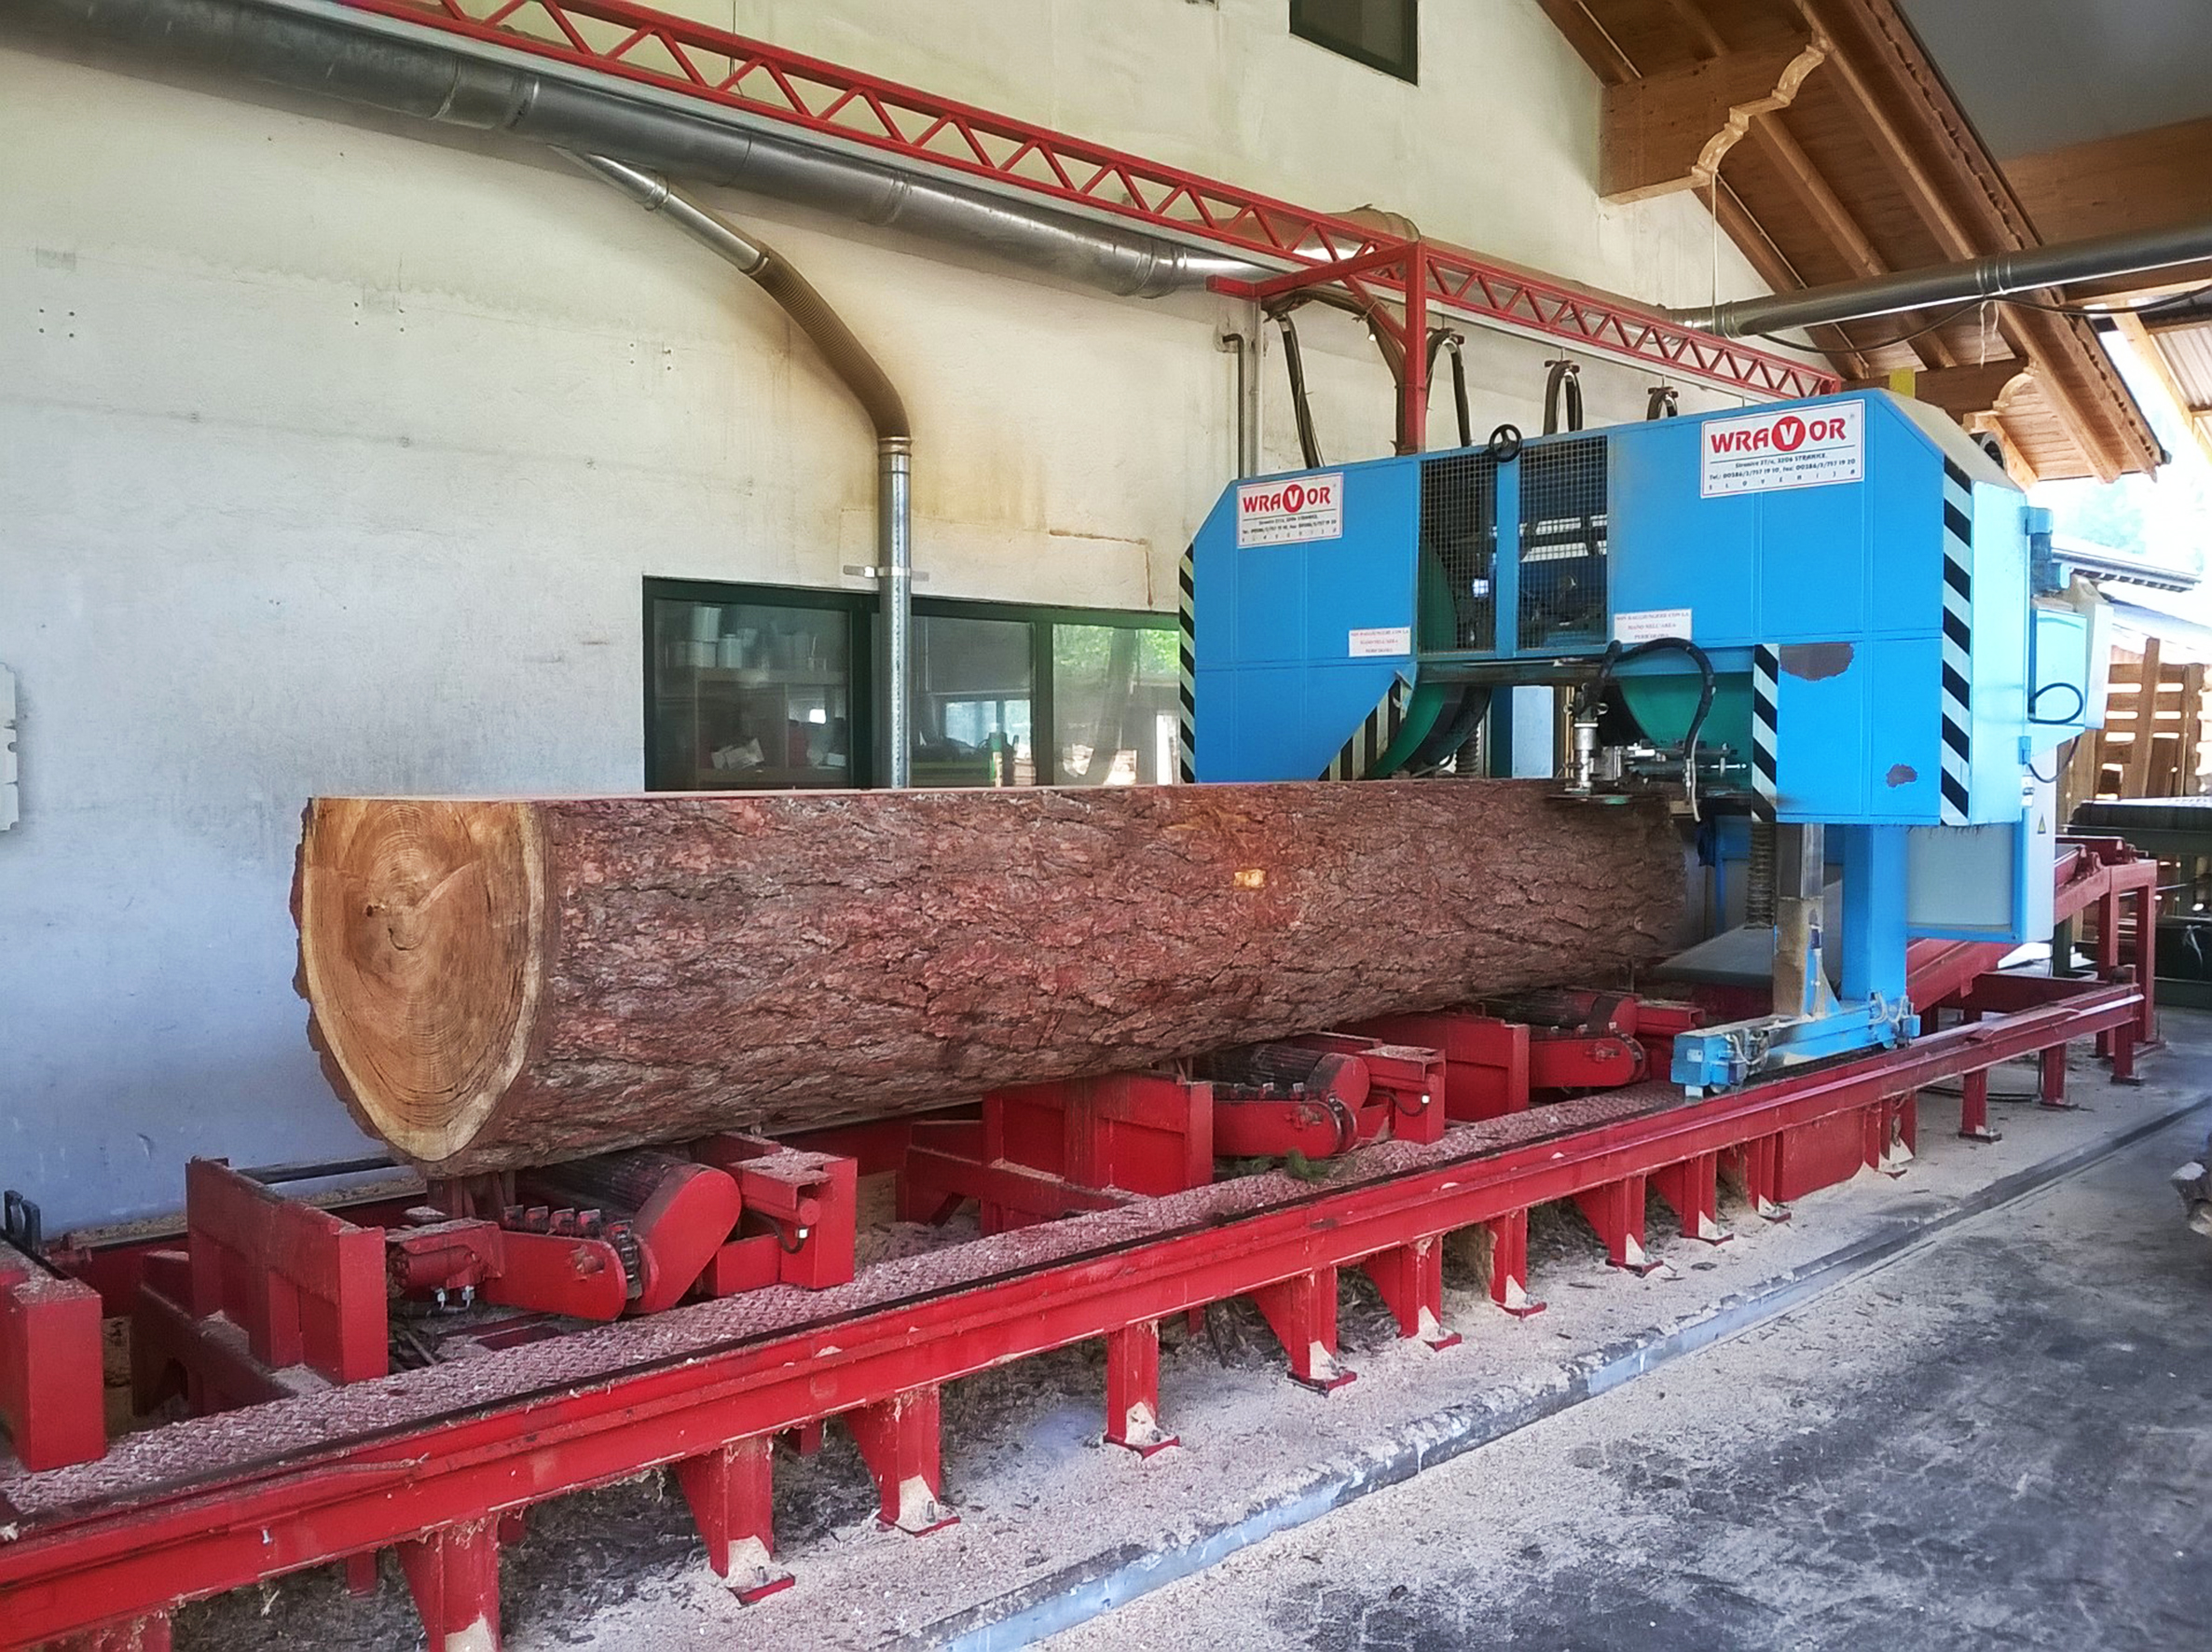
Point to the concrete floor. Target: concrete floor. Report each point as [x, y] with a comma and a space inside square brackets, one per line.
[2002, 1439]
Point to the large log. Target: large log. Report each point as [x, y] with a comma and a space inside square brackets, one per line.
[508, 982]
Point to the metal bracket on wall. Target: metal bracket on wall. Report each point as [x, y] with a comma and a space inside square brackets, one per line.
[9, 809]
[862, 571]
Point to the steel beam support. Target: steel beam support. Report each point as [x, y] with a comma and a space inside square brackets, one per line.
[116, 1550]
[454, 1575]
[1692, 1191]
[1132, 1389]
[1301, 1311]
[1509, 1264]
[728, 1489]
[1410, 1278]
[1616, 1209]
[899, 1441]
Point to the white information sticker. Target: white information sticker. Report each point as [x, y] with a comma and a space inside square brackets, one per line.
[1650, 625]
[1285, 513]
[1766, 451]
[1381, 641]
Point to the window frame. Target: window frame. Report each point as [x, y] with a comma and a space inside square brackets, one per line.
[861, 609]
[1408, 71]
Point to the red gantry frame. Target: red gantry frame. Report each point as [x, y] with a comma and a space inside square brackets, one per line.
[758, 82]
[439, 1463]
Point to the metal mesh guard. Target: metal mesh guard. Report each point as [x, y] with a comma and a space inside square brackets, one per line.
[1459, 537]
[1562, 543]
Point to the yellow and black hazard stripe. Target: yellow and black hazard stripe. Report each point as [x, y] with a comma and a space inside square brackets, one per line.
[1361, 754]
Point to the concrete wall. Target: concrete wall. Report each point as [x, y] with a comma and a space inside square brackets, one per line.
[332, 460]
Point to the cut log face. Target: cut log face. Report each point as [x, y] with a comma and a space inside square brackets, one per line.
[520, 982]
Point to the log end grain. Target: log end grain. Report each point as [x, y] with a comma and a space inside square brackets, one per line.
[422, 945]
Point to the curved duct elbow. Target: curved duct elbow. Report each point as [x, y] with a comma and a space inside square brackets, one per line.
[871, 387]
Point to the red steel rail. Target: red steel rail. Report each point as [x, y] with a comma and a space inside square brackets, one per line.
[769, 83]
[107, 1543]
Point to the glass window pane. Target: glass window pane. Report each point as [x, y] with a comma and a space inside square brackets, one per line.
[972, 691]
[1382, 33]
[1114, 705]
[750, 694]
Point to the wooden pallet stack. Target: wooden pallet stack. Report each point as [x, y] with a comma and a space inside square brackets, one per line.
[2152, 744]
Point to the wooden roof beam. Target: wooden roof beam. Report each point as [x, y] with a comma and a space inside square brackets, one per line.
[1774, 267]
[2071, 366]
[1966, 392]
[1666, 132]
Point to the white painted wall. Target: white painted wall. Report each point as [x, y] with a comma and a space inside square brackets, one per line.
[332, 460]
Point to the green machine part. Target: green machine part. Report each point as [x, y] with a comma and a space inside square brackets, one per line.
[1436, 632]
[1664, 703]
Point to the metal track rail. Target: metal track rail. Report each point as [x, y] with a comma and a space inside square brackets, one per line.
[424, 1459]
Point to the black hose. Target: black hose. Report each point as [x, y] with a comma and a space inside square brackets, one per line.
[1588, 696]
[1566, 375]
[1664, 402]
[1308, 444]
[1459, 390]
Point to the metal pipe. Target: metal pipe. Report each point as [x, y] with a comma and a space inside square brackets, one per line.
[2001, 275]
[360, 58]
[848, 358]
[895, 570]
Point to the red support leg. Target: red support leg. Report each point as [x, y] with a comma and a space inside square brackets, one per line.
[899, 1441]
[1907, 1136]
[2050, 1091]
[2107, 951]
[1132, 1389]
[728, 1490]
[1973, 1108]
[2123, 1056]
[1761, 1162]
[454, 1575]
[1509, 1265]
[2146, 960]
[1616, 1211]
[361, 1574]
[1301, 1311]
[1411, 1280]
[1692, 1191]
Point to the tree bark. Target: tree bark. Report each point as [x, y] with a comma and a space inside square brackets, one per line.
[520, 982]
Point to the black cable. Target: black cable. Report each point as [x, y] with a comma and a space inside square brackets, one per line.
[1308, 444]
[1863, 346]
[2081, 703]
[1459, 390]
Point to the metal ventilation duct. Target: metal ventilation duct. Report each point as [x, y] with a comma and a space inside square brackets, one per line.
[2098, 258]
[335, 52]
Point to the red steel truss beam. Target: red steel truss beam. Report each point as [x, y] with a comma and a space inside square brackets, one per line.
[137, 1551]
[693, 60]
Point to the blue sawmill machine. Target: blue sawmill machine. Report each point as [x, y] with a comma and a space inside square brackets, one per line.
[1838, 620]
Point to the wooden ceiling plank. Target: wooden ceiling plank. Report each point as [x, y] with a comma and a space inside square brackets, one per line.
[2106, 425]
[2146, 346]
[1963, 392]
[1590, 41]
[2140, 180]
[1666, 132]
